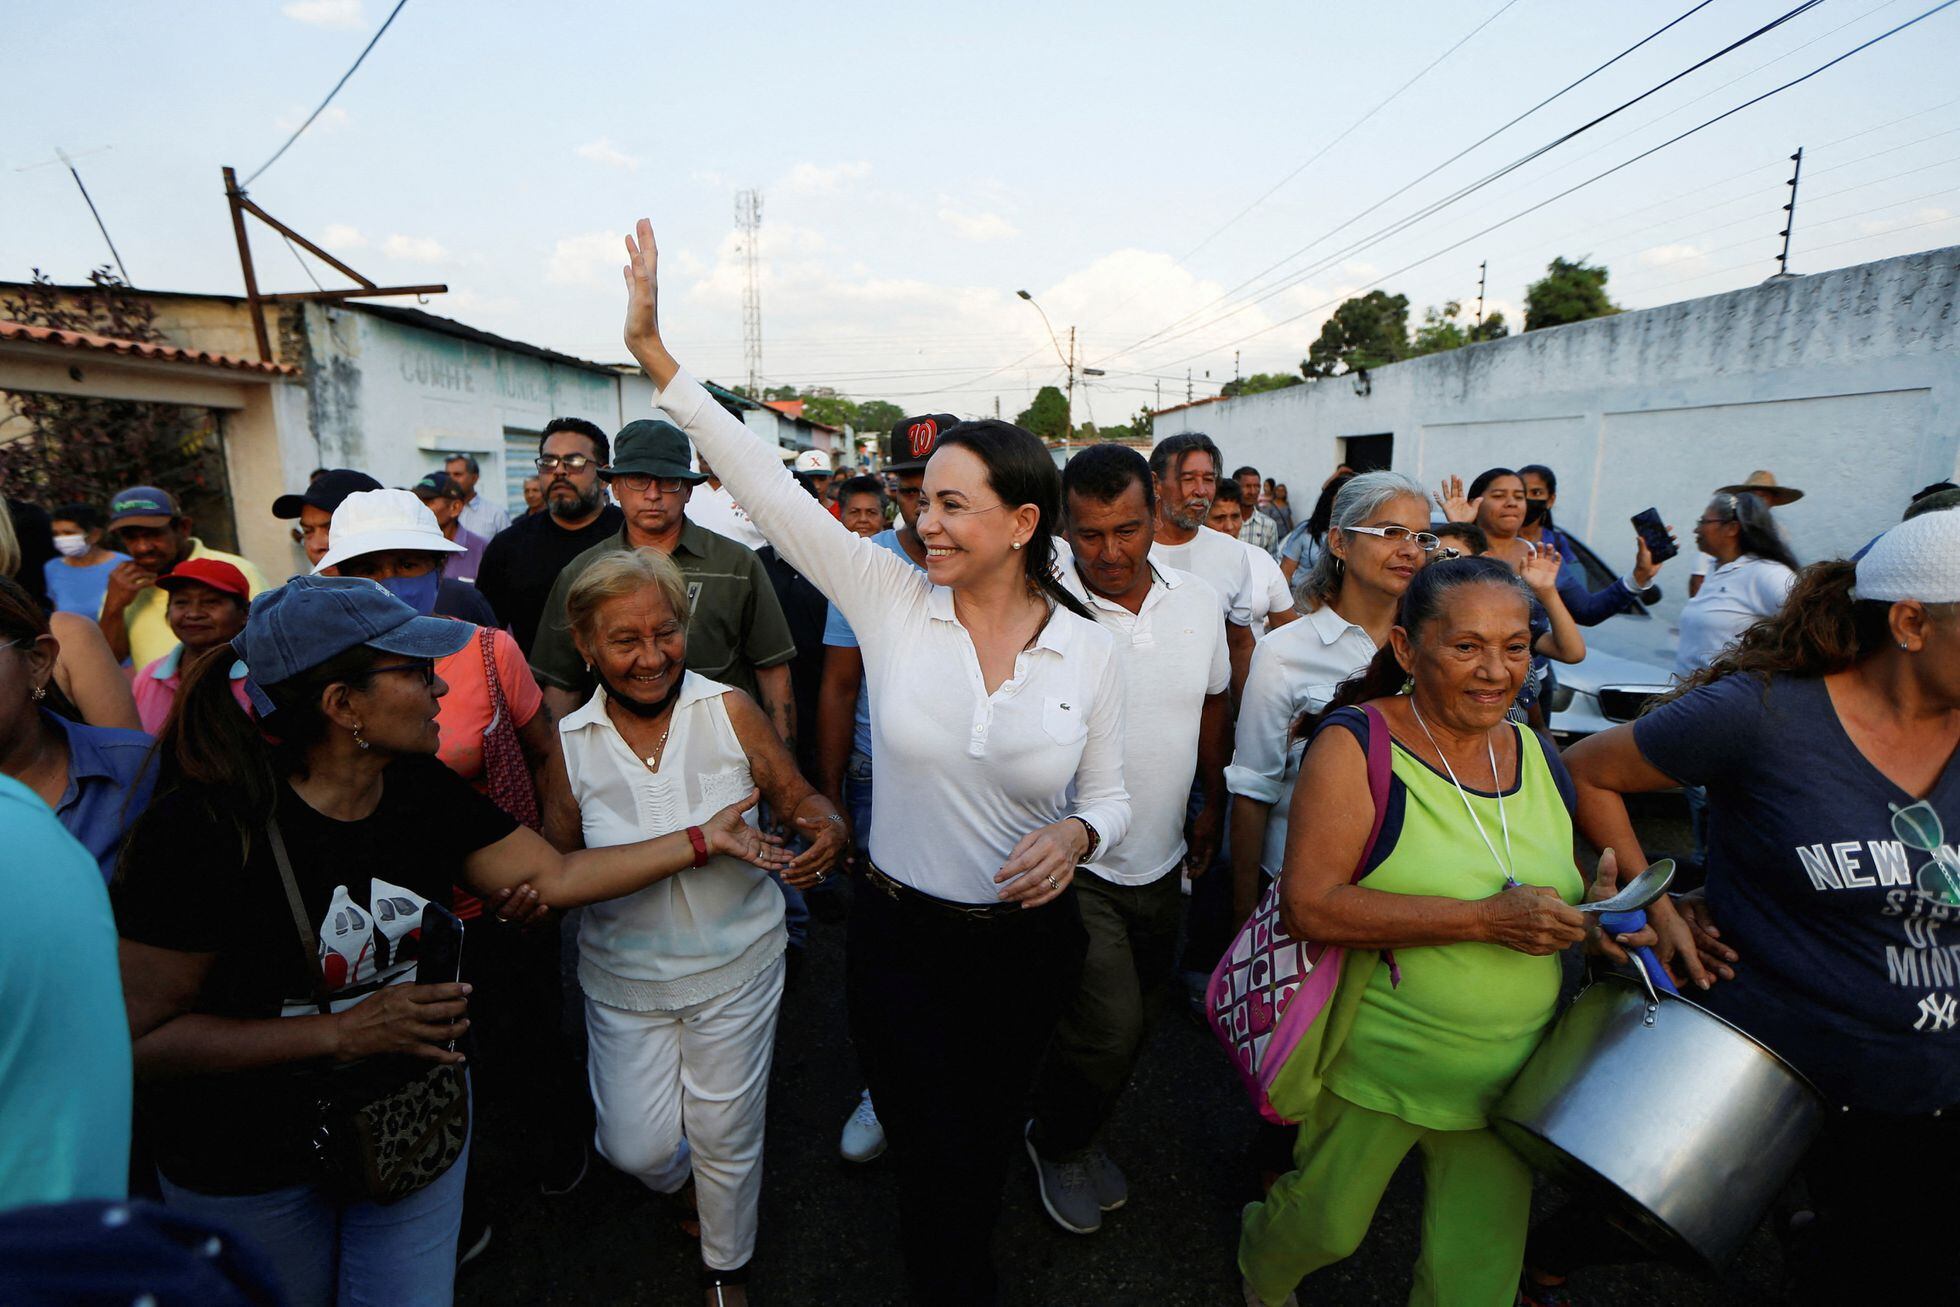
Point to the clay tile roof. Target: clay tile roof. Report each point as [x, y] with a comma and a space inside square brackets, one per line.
[83, 340]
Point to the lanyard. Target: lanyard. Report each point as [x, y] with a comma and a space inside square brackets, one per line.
[1507, 862]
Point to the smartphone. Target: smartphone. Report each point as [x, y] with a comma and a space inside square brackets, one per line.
[441, 961]
[1660, 545]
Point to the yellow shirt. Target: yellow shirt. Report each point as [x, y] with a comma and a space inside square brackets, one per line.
[150, 636]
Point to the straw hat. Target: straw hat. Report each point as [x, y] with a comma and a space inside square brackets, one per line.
[1763, 484]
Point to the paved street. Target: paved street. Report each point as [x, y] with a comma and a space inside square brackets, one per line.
[1181, 1135]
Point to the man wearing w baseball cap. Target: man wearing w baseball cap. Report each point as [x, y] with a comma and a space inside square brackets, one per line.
[314, 507]
[844, 710]
[157, 537]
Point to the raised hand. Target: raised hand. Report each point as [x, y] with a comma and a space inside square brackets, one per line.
[1449, 498]
[642, 334]
[1540, 570]
[1644, 566]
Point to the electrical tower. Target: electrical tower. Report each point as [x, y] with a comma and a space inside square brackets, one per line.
[748, 220]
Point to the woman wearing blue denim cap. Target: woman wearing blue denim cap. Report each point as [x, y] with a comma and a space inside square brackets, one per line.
[243, 1049]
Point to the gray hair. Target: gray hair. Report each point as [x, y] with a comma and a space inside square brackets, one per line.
[1357, 501]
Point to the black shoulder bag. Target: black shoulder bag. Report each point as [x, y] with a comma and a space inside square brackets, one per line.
[376, 1147]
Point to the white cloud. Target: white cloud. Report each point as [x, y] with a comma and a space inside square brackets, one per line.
[1668, 256]
[331, 119]
[415, 249]
[339, 236]
[603, 151]
[339, 14]
[977, 226]
[823, 179]
[591, 259]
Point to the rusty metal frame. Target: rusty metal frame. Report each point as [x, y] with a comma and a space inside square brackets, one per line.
[240, 205]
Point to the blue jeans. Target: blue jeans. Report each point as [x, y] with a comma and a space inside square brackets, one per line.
[334, 1254]
[857, 796]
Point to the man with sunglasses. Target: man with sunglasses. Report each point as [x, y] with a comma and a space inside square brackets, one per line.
[736, 632]
[521, 564]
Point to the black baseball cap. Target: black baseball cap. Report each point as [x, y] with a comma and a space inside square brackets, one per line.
[437, 485]
[326, 492]
[912, 441]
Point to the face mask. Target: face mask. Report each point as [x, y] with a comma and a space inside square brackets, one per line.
[418, 592]
[71, 546]
[1535, 511]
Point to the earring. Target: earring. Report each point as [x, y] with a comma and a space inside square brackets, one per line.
[1902, 644]
[1015, 545]
[361, 743]
[40, 692]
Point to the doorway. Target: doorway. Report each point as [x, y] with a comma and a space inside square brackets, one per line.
[1369, 453]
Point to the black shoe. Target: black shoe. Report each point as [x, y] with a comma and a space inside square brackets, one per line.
[566, 1172]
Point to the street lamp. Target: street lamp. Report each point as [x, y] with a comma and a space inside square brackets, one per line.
[1068, 362]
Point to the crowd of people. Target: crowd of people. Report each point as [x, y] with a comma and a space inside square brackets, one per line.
[1122, 699]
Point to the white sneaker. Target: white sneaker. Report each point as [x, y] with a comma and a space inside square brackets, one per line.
[863, 1137]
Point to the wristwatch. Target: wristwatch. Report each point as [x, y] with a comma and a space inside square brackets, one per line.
[1095, 839]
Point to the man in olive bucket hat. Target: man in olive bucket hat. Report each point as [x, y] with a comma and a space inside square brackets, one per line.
[1762, 484]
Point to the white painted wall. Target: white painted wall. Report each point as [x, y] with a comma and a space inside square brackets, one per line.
[1845, 383]
[393, 400]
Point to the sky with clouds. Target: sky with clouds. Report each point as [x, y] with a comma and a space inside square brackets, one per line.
[1177, 183]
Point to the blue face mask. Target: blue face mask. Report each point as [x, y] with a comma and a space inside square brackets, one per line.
[418, 592]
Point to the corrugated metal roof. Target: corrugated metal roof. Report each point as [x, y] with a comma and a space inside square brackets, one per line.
[84, 340]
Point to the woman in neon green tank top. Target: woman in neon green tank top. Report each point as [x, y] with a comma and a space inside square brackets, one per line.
[1471, 886]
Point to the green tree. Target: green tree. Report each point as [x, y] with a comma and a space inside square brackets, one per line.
[1047, 417]
[878, 415]
[1259, 382]
[1444, 329]
[1364, 332]
[1571, 290]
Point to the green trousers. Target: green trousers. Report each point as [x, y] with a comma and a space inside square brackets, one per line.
[1476, 1207]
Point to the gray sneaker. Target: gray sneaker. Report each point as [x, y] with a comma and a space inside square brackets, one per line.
[1068, 1190]
[1112, 1190]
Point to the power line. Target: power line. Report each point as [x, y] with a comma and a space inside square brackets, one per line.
[330, 95]
[1264, 293]
[1727, 113]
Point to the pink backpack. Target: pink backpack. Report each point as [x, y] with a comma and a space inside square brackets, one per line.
[1269, 988]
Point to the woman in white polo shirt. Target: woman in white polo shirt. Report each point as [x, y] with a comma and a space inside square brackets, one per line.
[996, 719]
[1754, 570]
[1349, 601]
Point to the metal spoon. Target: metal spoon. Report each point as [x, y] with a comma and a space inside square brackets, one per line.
[1638, 892]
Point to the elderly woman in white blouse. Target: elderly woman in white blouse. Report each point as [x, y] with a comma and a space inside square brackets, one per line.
[996, 723]
[682, 979]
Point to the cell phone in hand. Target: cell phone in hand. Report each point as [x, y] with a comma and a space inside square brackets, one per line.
[441, 962]
[1660, 545]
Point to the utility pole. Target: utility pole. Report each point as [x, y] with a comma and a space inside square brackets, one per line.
[996, 408]
[1790, 222]
[1235, 365]
[1187, 385]
[1482, 268]
[748, 220]
[1068, 400]
[1160, 393]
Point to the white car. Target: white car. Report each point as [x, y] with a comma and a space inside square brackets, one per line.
[1629, 659]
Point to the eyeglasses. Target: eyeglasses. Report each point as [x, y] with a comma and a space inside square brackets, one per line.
[1400, 535]
[426, 670]
[1918, 826]
[570, 462]
[1713, 521]
[302, 534]
[638, 482]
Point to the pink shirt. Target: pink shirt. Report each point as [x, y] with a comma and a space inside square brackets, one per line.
[155, 688]
[466, 714]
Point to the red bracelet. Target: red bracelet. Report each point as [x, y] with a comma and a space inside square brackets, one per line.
[700, 843]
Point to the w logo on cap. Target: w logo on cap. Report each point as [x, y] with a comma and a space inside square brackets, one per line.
[922, 434]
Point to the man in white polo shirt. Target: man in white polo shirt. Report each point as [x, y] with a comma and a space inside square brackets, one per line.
[1185, 470]
[1170, 650]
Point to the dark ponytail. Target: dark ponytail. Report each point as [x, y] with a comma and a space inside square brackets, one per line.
[1020, 471]
[1421, 604]
[1757, 530]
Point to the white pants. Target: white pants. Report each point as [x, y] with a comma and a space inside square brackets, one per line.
[684, 1091]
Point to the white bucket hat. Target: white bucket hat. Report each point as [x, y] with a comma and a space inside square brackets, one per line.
[370, 521]
[1919, 559]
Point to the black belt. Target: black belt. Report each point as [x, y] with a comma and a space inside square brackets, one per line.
[900, 892]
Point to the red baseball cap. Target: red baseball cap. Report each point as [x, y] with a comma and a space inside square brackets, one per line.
[216, 573]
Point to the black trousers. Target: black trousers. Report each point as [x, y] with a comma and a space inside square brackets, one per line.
[950, 1016]
[526, 1072]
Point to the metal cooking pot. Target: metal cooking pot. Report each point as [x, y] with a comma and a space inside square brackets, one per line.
[1680, 1125]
